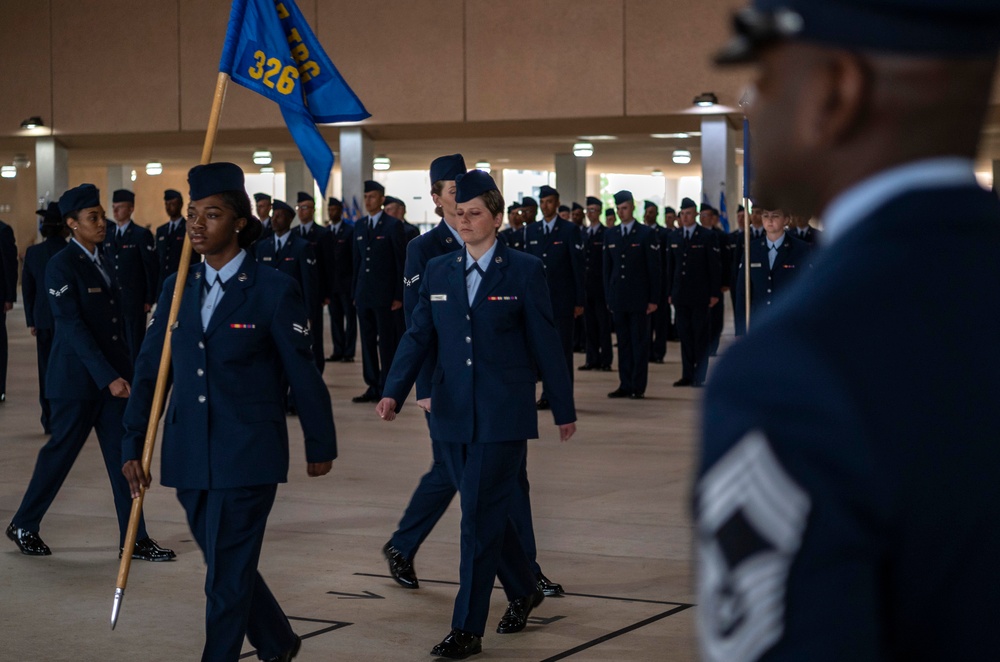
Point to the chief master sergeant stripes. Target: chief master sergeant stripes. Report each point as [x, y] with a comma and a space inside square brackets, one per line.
[848, 491]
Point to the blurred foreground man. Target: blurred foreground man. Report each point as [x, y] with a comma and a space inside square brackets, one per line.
[831, 529]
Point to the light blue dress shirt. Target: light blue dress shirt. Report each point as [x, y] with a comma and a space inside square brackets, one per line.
[210, 299]
[772, 250]
[95, 257]
[472, 277]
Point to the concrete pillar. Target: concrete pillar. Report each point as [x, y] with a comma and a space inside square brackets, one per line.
[718, 162]
[357, 150]
[51, 170]
[119, 177]
[996, 175]
[298, 178]
[571, 178]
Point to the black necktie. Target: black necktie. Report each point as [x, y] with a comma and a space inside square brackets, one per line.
[218, 279]
[475, 267]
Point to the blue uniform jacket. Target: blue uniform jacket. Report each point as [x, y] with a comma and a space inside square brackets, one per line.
[89, 349]
[338, 259]
[316, 238]
[489, 353]
[632, 270]
[379, 257]
[419, 252]
[562, 254]
[225, 424]
[133, 259]
[513, 238]
[593, 259]
[169, 246]
[297, 260]
[871, 489]
[694, 268]
[37, 312]
[767, 284]
[8, 264]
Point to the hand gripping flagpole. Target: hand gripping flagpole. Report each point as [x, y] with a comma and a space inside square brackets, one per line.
[160, 393]
[745, 104]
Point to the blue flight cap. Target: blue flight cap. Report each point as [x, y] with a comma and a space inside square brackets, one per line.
[257, 197]
[648, 204]
[83, 196]
[391, 200]
[707, 207]
[669, 210]
[546, 191]
[512, 207]
[563, 208]
[372, 185]
[123, 195]
[527, 201]
[577, 206]
[447, 168]
[688, 203]
[623, 196]
[281, 205]
[206, 180]
[334, 202]
[305, 197]
[473, 184]
[946, 28]
[171, 194]
[740, 208]
[591, 200]
[609, 212]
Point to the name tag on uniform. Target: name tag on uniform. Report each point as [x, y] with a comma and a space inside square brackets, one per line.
[611, 245]
[360, 238]
[161, 238]
[533, 242]
[93, 290]
[673, 245]
[439, 297]
[755, 265]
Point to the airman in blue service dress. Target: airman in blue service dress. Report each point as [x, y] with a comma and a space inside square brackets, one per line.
[242, 333]
[170, 238]
[37, 312]
[694, 279]
[632, 283]
[8, 294]
[315, 235]
[772, 273]
[513, 236]
[710, 219]
[87, 379]
[559, 245]
[859, 523]
[379, 257]
[338, 269]
[262, 205]
[597, 319]
[659, 320]
[493, 334]
[290, 253]
[130, 250]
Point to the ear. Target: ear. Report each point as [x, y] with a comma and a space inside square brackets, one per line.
[836, 99]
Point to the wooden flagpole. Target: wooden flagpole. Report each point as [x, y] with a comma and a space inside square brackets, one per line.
[746, 261]
[160, 393]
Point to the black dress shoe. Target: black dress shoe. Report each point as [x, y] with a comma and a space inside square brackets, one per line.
[28, 541]
[147, 550]
[347, 359]
[638, 396]
[683, 382]
[400, 567]
[549, 588]
[587, 366]
[289, 654]
[605, 368]
[334, 357]
[619, 393]
[543, 404]
[365, 397]
[516, 616]
[458, 645]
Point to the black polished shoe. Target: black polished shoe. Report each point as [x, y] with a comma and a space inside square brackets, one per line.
[683, 382]
[400, 568]
[367, 396]
[587, 366]
[458, 645]
[638, 396]
[516, 616]
[289, 654]
[549, 588]
[28, 541]
[543, 404]
[619, 393]
[147, 550]
[347, 359]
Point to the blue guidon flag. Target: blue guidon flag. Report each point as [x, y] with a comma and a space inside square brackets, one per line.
[271, 50]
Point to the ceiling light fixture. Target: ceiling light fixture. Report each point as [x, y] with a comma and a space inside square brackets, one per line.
[262, 157]
[32, 122]
[381, 163]
[600, 138]
[8, 172]
[706, 99]
[154, 168]
[583, 150]
[132, 176]
[483, 165]
[657, 172]
[682, 156]
[267, 170]
[669, 136]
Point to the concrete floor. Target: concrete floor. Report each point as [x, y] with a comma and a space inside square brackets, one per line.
[610, 510]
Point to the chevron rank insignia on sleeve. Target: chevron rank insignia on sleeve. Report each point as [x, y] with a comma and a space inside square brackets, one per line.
[61, 291]
[299, 328]
[411, 281]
